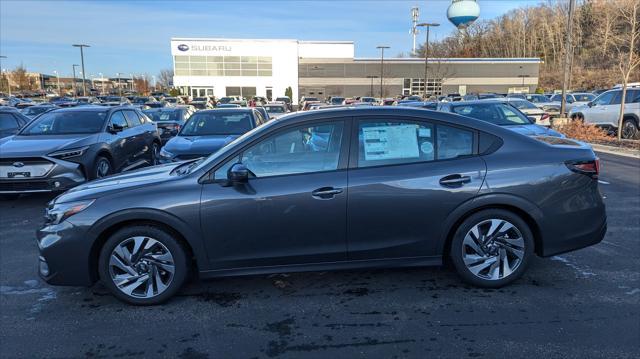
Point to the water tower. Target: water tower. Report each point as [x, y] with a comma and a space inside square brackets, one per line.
[463, 13]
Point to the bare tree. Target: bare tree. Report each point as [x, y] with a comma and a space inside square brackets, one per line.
[21, 79]
[142, 84]
[628, 56]
[165, 78]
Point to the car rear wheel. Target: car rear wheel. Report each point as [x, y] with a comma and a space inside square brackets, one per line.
[143, 265]
[101, 168]
[155, 151]
[629, 129]
[492, 248]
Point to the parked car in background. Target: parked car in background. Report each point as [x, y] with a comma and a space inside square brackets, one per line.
[336, 100]
[369, 100]
[604, 111]
[227, 99]
[263, 114]
[536, 114]
[430, 105]
[173, 100]
[389, 102]
[573, 99]
[536, 99]
[228, 105]
[201, 103]
[304, 100]
[89, 100]
[494, 200]
[63, 101]
[169, 120]
[286, 101]
[309, 103]
[517, 95]
[36, 110]
[11, 120]
[142, 100]
[259, 101]
[275, 110]
[157, 104]
[208, 131]
[501, 113]
[116, 101]
[65, 147]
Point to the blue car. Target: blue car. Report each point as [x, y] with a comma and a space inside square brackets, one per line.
[208, 131]
[499, 113]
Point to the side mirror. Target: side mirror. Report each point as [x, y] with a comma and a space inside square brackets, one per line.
[238, 173]
[590, 104]
[115, 128]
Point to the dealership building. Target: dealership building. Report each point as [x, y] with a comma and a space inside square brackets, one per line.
[260, 67]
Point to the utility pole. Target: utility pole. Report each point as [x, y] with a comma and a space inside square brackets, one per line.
[415, 14]
[57, 80]
[426, 53]
[372, 77]
[84, 85]
[381, 67]
[75, 83]
[119, 86]
[568, 49]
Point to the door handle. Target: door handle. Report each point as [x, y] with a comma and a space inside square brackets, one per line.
[326, 192]
[454, 180]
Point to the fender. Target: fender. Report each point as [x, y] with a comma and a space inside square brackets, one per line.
[191, 236]
[491, 200]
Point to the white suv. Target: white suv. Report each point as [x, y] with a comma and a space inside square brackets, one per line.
[604, 110]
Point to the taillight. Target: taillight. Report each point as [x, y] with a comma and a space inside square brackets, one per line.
[590, 168]
[544, 117]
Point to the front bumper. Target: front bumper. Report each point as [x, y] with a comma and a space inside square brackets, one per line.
[59, 176]
[65, 255]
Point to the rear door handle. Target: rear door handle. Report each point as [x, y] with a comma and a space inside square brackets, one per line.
[326, 192]
[454, 180]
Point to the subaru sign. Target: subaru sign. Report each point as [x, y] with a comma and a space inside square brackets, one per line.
[183, 47]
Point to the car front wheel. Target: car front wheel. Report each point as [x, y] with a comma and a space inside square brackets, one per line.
[101, 168]
[492, 248]
[143, 265]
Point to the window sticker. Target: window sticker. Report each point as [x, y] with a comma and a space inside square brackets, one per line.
[424, 132]
[390, 142]
[426, 148]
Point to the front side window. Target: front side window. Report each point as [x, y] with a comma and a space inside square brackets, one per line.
[66, 122]
[304, 149]
[8, 122]
[133, 118]
[605, 98]
[118, 119]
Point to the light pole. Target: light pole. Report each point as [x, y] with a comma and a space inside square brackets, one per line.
[93, 84]
[381, 67]
[426, 53]
[101, 84]
[372, 77]
[132, 81]
[567, 56]
[119, 86]
[75, 83]
[84, 85]
[57, 80]
[3, 74]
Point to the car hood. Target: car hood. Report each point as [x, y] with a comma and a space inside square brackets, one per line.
[534, 130]
[198, 145]
[143, 177]
[27, 146]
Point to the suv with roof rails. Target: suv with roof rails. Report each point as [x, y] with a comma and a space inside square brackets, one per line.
[604, 111]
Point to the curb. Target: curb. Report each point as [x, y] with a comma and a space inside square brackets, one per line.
[616, 150]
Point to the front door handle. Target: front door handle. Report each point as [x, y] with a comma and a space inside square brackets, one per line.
[326, 192]
[454, 180]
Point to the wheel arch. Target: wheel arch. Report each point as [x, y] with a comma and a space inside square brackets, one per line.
[528, 211]
[109, 225]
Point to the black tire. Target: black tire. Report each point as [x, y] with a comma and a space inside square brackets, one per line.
[154, 154]
[98, 171]
[578, 117]
[456, 252]
[629, 129]
[180, 261]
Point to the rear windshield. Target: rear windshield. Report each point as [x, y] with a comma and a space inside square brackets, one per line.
[500, 114]
[520, 105]
[217, 123]
[159, 116]
[274, 109]
[64, 123]
[584, 97]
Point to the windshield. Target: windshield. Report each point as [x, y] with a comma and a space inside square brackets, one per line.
[308, 99]
[521, 105]
[217, 123]
[274, 109]
[139, 100]
[368, 99]
[337, 100]
[226, 99]
[35, 110]
[113, 99]
[159, 116]
[64, 123]
[497, 113]
[283, 99]
[537, 98]
[584, 97]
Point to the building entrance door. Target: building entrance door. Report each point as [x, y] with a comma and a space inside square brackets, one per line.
[201, 91]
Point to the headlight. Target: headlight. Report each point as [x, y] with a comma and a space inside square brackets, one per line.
[58, 212]
[75, 152]
[166, 154]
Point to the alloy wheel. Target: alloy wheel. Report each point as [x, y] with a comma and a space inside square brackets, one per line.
[629, 130]
[103, 168]
[493, 249]
[141, 267]
[154, 154]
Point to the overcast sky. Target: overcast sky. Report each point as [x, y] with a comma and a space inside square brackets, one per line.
[133, 36]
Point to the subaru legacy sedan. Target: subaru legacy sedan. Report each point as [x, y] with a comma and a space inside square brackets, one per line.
[341, 188]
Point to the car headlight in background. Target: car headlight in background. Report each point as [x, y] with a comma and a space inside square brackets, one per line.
[58, 212]
[64, 154]
[166, 154]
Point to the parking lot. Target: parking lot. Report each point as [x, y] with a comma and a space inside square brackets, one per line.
[576, 305]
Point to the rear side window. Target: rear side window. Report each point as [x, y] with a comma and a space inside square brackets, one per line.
[8, 122]
[454, 142]
[133, 118]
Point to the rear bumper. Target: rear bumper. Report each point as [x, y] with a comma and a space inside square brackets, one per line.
[580, 240]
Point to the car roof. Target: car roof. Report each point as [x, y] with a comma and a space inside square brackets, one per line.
[93, 108]
[227, 109]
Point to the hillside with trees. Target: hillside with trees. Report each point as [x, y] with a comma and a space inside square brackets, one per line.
[601, 33]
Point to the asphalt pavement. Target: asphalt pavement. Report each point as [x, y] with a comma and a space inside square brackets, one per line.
[582, 304]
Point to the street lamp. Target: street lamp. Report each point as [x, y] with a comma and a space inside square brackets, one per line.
[75, 83]
[132, 81]
[3, 74]
[101, 83]
[381, 66]
[372, 77]
[119, 86]
[84, 85]
[428, 25]
[57, 80]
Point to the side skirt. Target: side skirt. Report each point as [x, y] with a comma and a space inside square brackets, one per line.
[326, 266]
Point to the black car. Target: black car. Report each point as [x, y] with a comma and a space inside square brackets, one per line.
[65, 147]
[36, 110]
[344, 188]
[11, 120]
[169, 120]
[208, 131]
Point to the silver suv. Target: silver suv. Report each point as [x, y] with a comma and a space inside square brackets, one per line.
[604, 110]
